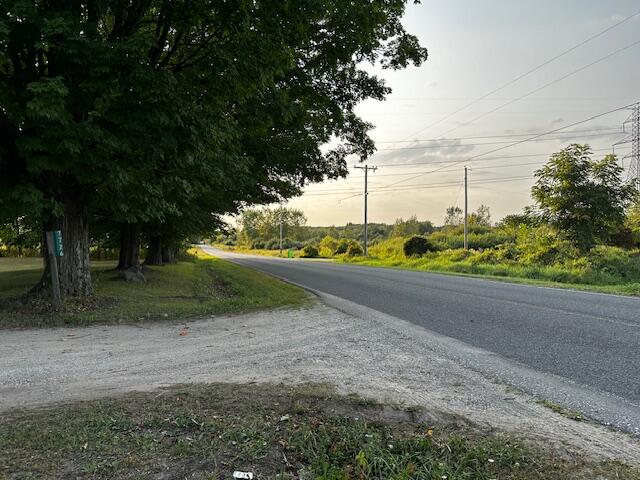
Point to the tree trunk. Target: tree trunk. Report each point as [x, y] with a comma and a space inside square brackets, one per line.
[74, 266]
[169, 254]
[154, 251]
[129, 246]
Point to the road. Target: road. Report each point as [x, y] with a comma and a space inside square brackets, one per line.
[588, 340]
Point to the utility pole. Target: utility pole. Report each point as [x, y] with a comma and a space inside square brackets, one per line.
[633, 175]
[466, 212]
[366, 169]
[634, 171]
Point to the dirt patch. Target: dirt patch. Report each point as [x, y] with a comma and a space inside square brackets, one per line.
[219, 287]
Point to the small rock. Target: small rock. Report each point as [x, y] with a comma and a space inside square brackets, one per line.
[133, 274]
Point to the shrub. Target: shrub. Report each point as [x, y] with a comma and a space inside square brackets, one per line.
[615, 261]
[418, 246]
[257, 245]
[479, 237]
[342, 247]
[543, 245]
[354, 249]
[387, 249]
[273, 244]
[309, 251]
[328, 246]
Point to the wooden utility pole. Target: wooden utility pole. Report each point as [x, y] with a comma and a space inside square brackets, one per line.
[366, 169]
[466, 212]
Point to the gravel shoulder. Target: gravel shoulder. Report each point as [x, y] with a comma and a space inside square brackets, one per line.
[370, 354]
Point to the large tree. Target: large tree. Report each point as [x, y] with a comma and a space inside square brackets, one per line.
[139, 111]
[584, 198]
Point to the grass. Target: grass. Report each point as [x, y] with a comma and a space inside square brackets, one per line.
[540, 275]
[571, 414]
[274, 431]
[257, 251]
[9, 264]
[544, 276]
[201, 286]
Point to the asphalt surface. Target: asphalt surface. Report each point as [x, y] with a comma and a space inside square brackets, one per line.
[590, 340]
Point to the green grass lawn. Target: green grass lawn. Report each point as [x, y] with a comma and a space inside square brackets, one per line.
[198, 287]
[8, 264]
[273, 431]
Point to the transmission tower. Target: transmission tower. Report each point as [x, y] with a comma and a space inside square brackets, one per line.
[633, 175]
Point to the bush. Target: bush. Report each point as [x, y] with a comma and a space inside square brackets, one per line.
[418, 246]
[354, 249]
[479, 237]
[342, 247]
[273, 244]
[257, 245]
[543, 245]
[328, 246]
[309, 251]
[615, 261]
[386, 249]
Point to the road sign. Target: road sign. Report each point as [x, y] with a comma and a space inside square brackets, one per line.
[57, 243]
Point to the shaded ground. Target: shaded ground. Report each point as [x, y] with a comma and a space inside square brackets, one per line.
[274, 431]
[201, 286]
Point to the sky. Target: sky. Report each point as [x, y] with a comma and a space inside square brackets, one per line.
[474, 48]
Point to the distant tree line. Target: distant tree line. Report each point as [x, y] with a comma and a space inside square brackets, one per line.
[585, 201]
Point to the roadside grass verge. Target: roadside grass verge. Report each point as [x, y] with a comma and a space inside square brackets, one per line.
[545, 276]
[552, 276]
[202, 285]
[274, 431]
[257, 251]
[557, 408]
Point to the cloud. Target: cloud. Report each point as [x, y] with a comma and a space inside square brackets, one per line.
[422, 152]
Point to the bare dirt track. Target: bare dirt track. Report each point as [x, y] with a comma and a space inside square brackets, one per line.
[374, 355]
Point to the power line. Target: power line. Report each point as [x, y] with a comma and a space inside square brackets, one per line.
[508, 135]
[519, 142]
[346, 189]
[487, 159]
[429, 147]
[491, 167]
[529, 72]
[421, 186]
[553, 82]
[413, 186]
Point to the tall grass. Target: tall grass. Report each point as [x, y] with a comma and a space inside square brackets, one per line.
[537, 254]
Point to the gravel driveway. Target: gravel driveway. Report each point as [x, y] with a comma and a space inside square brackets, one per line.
[369, 353]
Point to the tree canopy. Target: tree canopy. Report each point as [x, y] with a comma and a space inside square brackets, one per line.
[167, 114]
[584, 198]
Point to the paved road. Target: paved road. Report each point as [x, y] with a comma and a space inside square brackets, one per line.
[590, 339]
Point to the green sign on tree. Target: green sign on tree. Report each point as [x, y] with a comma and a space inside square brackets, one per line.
[57, 243]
